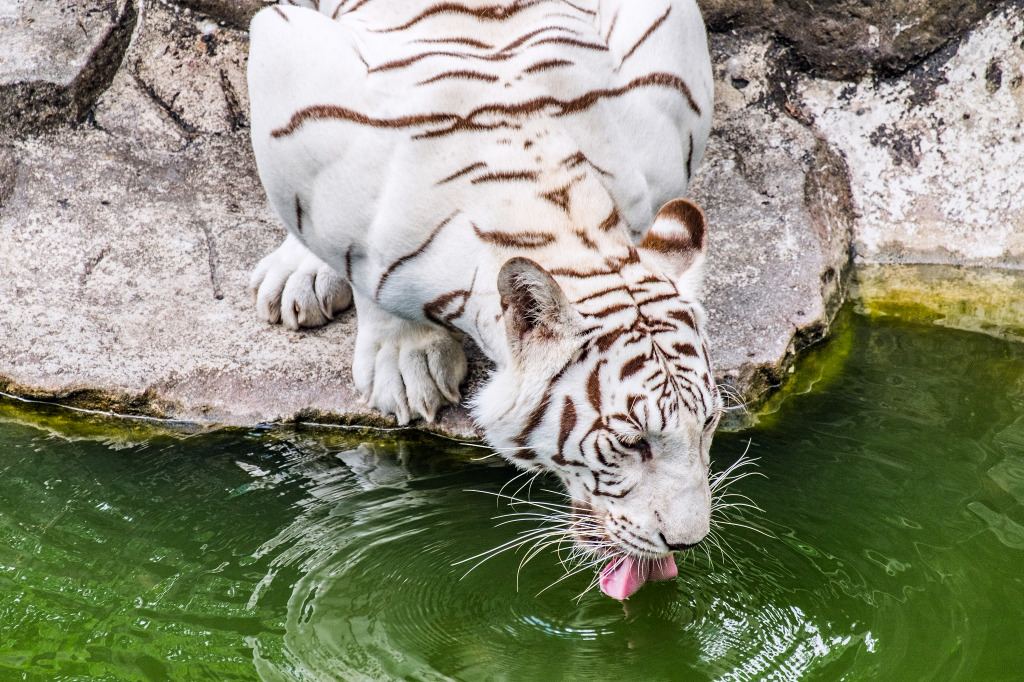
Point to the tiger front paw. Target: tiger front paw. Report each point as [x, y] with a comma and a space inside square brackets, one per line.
[297, 289]
[408, 370]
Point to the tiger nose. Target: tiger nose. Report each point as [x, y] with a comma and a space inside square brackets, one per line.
[678, 546]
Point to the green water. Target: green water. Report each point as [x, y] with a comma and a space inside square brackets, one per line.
[893, 497]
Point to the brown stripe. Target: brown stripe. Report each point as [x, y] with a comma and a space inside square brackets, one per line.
[522, 39]
[580, 9]
[458, 174]
[578, 158]
[632, 401]
[281, 13]
[602, 292]
[608, 339]
[547, 64]
[683, 316]
[434, 310]
[568, 423]
[492, 13]
[611, 221]
[321, 112]
[348, 263]
[517, 240]
[640, 549]
[398, 263]
[581, 103]
[645, 36]
[581, 274]
[409, 61]
[586, 240]
[536, 417]
[657, 299]
[594, 387]
[298, 214]
[610, 464]
[596, 492]
[665, 80]
[572, 42]
[463, 75]
[611, 310]
[558, 197]
[472, 42]
[506, 176]
[689, 159]
[685, 349]
[615, 17]
[643, 542]
[584, 274]
[632, 366]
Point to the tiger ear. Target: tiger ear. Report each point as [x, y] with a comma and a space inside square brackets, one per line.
[538, 315]
[677, 242]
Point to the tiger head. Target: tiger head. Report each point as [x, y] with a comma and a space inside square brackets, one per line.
[613, 394]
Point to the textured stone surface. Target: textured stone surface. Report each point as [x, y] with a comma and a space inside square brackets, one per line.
[982, 300]
[935, 156]
[127, 110]
[234, 13]
[125, 248]
[124, 285]
[849, 38]
[126, 241]
[728, 15]
[57, 56]
[778, 206]
[192, 68]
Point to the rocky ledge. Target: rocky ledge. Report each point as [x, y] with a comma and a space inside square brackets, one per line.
[131, 213]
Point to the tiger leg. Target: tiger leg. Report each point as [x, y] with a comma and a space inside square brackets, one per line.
[405, 368]
[294, 287]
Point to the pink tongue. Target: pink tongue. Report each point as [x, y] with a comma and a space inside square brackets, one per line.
[625, 575]
[663, 569]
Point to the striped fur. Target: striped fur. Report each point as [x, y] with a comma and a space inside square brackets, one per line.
[491, 168]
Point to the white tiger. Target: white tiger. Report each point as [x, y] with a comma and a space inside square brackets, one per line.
[491, 168]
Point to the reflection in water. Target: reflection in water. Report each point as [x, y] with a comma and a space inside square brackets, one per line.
[374, 592]
[894, 514]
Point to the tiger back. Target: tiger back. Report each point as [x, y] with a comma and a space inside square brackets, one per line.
[493, 169]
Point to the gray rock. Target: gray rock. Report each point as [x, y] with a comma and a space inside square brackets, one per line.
[128, 110]
[125, 249]
[124, 286]
[126, 243]
[727, 15]
[854, 37]
[233, 13]
[979, 300]
[935, 156]
[851, 38]
[192, 68]
[57, 56]
[777, 198]
[125, 275]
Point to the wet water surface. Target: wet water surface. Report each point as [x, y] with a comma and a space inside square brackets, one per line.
[891, 546]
